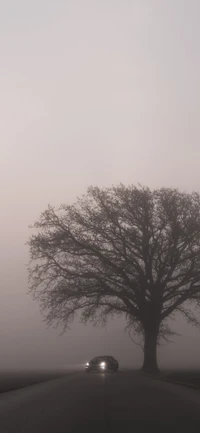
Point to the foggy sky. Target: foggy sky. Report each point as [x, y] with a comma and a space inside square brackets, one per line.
[92, 93]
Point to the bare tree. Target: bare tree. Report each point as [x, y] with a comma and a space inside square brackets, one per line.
[134, 341]
[121, 250]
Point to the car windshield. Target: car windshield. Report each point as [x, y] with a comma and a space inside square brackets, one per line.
[102, 358]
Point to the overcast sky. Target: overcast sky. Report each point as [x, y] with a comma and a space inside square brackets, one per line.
[91, 92]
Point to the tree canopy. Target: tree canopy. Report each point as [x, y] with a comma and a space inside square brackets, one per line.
[119, 250]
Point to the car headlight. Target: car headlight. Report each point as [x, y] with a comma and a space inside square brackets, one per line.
[87, 364]
[102, 365]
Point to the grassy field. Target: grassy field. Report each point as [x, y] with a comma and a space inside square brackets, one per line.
[10, 380]
[189, 378]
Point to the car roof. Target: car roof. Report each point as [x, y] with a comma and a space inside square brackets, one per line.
[103, 356]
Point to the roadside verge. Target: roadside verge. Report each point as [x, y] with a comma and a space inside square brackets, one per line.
[10, 381]
[165, 378]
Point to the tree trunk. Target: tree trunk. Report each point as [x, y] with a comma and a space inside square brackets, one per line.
[150, 345]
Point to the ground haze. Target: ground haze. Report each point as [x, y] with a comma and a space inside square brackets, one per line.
[92, 93]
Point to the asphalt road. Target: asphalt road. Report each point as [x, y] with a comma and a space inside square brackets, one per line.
[99, 403]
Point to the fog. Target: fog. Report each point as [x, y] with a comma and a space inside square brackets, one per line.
[92, 93]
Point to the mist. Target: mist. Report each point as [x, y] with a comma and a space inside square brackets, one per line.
[92, 93]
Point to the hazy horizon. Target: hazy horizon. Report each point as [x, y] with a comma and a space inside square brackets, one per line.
[92, 93]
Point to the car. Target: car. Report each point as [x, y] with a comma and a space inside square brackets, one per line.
[102, 363]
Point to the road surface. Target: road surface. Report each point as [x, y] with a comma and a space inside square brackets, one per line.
[100, 403]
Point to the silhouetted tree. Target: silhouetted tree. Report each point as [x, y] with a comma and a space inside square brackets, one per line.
[121, 250]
